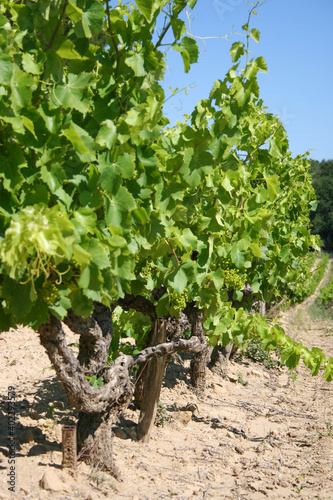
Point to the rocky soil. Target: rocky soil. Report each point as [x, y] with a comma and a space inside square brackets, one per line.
[259, 434]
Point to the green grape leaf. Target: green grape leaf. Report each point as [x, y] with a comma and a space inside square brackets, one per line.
[60, 307]
[6, 320]
[80, 140]
[107, 134]
[136, 62]
[66, 49]
[99, 255]
[218, 278]
[29, 64]
[6, 69]
[189, 51]
[38, 314]
[163, 306]
[255, 34]
[179, 281]
[74, 93]
[90, 20]
[118, 206]
[328, 375]
[254, 247]
[260, 61]
[21, 297]
[125, 165]
[81, 305]
[148, 8]
[237, 51]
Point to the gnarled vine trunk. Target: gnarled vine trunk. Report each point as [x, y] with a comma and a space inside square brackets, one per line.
[199, 361]
[98, 407]
[219, 359]
[94, 436]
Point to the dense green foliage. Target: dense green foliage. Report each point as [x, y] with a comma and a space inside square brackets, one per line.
[326, 292]
[98, 198]
[309, 276]
[322, 218]
[317, 275]
[326, 295]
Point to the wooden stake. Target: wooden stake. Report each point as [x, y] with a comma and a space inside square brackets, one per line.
[152, 388]
[69, 448]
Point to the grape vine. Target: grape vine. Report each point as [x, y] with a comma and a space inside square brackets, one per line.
[99, 194]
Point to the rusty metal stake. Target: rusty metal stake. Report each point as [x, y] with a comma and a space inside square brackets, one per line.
[69, 448]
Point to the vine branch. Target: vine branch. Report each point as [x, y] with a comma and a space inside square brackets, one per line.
[166, 29]
[173, 251]
[115, 46]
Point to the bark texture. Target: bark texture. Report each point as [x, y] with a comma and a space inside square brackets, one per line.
[95, 337]
[219, 360]
[175, 329]
[95, 440]
[154, 374]
[199, 361]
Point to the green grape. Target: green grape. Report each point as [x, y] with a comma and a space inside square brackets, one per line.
[147, 270]
[233, 280]
[49, 292]
[178, 300]
[225, 263]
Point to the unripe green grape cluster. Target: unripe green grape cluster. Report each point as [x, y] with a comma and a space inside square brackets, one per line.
[233, 279]
[49, 292]
[147, 271]
[178, 300]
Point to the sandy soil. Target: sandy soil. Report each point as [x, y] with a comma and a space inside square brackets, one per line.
[269, 439]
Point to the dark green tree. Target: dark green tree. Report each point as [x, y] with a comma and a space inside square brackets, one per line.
[322, 218]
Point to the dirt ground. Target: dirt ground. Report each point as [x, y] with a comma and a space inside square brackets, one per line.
[259, 434]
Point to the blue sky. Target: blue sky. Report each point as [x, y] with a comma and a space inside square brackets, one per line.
[296, 42]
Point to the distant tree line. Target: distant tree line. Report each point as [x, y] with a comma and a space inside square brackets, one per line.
[322, 218]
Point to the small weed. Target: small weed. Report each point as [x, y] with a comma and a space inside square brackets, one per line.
[95, 382]
[187, 334]
[162, 417]
[241, 380]
[96, 479]
[293, 377]
[51, 412]
[255, 352]
[329, 430]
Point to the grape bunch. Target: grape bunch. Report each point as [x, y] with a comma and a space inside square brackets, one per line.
[178, 300]
[49, 293]
[147, 270]
[233, 279]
